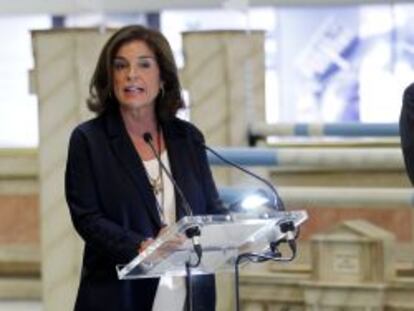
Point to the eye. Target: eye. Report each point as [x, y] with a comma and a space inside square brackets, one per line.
[145, 63]
[119, 64]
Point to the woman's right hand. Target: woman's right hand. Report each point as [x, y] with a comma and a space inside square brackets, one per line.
[166, 247]
[144, 244]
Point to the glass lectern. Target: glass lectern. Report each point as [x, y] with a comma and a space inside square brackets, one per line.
[223, 238]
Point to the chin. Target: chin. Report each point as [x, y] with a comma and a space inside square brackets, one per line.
[135, 105]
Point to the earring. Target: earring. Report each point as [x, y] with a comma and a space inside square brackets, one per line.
[162, 90]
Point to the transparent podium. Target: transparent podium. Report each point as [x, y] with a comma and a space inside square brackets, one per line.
[223, 238]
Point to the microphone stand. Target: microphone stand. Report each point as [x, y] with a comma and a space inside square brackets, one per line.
[192, 233]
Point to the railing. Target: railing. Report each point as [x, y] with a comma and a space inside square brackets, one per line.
[262, 130]
[331, 197]
[365, 158]
[316, 158]
[351, 129]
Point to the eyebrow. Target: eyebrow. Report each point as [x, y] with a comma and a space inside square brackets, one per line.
[139, 57]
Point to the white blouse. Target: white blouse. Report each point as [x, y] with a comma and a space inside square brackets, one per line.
[171, 291]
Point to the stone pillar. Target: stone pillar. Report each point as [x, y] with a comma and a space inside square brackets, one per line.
[64, 62]
[225, 76]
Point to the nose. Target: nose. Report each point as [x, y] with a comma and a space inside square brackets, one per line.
[132, 73]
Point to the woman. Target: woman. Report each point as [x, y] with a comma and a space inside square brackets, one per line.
[119, 197]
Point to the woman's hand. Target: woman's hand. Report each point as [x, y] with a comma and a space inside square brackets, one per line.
[144, 244]
[167, 246]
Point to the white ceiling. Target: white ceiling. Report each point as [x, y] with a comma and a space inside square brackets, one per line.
[78, 6]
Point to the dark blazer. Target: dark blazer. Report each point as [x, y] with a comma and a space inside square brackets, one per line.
[407, 130]
[113, 208]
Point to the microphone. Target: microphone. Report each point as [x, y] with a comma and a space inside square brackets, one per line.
[193, 232]
[277, 200]
[288, 228]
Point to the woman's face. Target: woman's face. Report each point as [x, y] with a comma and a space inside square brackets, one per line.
[136, 76]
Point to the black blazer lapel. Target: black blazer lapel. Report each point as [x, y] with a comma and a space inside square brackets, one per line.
[129, 159]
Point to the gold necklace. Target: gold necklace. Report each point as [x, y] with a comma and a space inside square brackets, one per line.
[157, 183]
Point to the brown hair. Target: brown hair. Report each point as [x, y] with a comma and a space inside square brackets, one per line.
[101, 96]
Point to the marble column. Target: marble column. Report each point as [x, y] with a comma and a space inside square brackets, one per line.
[224, 75]
[64, 62]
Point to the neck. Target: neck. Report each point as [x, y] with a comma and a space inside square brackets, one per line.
[139, 121]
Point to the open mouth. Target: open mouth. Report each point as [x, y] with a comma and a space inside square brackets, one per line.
[134, 89]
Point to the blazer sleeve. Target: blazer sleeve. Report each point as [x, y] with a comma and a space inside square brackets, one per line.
[407, 130]
[82, 197]
[214, 203]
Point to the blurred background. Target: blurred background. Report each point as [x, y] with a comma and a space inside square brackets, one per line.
[305, 93]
